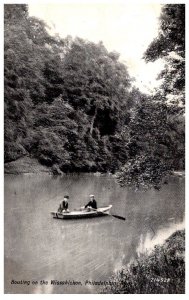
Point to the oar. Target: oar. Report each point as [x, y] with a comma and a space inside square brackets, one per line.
[115, 216]
[118, 217]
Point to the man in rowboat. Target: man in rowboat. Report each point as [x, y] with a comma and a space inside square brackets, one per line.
[92, 203]
[63, 207]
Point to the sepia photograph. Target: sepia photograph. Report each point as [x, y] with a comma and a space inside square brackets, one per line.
[94, 147]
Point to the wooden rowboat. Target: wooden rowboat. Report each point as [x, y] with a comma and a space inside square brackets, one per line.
[88, 213]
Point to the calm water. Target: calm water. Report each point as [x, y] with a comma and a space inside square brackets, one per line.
[38, 247]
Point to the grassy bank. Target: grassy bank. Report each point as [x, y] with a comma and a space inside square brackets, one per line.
[160, 272]
[25, 165]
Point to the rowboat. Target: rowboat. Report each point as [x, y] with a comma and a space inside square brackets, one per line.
[87, 213]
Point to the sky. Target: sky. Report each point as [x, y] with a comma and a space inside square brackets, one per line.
[126, 28]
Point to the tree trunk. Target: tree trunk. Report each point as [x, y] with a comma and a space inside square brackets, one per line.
[92, 121]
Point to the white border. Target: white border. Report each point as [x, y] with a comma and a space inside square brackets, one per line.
[83, 296]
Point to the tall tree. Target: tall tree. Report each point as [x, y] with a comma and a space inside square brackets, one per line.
[170, 45]
[156, 131]
[155, 144]
[27, 47]
[95, 81]
[17, 98]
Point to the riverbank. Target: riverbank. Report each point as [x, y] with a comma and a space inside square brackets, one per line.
[25, 164]
[28, 164]
[160, 272]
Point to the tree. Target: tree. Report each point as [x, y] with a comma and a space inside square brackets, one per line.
[155, 145]
[96, 82]
[156, 132]
[170, 45]
[27, 47]
[95, 85]
[17, 98]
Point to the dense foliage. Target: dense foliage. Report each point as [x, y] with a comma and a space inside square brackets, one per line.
[160, 272]
[66, 101]
[26, 53]
[170, 45]
[70, 103]
[155, 144]
[156, 131]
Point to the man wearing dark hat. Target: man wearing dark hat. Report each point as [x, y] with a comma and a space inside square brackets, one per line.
[63, 207]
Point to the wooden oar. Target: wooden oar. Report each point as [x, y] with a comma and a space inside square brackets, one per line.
[118, 217]
[115, 216]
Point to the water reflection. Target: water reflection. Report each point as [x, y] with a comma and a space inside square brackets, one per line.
[38, 247]
[150, 239]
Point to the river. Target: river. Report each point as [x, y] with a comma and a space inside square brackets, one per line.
[38, 247]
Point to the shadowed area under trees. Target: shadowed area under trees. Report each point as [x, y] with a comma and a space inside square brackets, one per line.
[70, 103]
